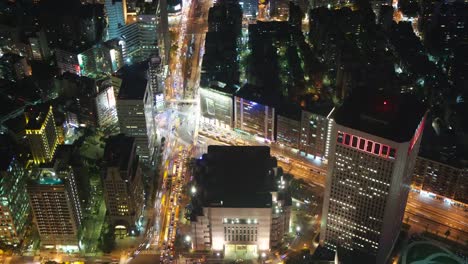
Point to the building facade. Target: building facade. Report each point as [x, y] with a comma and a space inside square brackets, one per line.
[156, 81]
[116, 11]
[315, 135]
[370, 168]
[140, 39]
[67, 61]
[106, 109]
[14, 206]
[288, 131]
[102, 59]
[42, 134]
[39, 46]
[123, 185]
[134, 105]
[442, 179]
[254, 118]
[14, 67]
[216, 106]
[54, 200]
[241, 225]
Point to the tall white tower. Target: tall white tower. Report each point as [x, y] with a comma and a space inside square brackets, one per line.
[375, 143]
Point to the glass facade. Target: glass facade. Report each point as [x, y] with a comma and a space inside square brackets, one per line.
[14, 206]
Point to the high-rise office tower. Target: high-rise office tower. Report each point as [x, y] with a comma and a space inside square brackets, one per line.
[140, 39]
[39, 46]
[102, 59]
[56, 208]
[41, 133]
[375, 141]
[14, 206]
[116, 11]
[123, 186]
[135, 110]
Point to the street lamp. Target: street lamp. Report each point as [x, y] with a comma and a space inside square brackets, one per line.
[193, 190]
[298, 229]
[188, 238]
[263, 255]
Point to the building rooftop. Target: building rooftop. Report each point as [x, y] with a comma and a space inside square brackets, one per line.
[259, 94]
[6, 151]
[289, 110]
[10, 58]
[118, 151]
[223, 88]
[45, 175]
[237, 177]
[50, 181]
[311, 104]
[391, 116]
[35, 115]
[133, 81]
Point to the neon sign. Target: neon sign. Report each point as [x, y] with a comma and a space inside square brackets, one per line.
[369, 146]
[417, 134]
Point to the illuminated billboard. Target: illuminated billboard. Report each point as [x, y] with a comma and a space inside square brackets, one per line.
[106, 107]
[216, 107]
[159, 102]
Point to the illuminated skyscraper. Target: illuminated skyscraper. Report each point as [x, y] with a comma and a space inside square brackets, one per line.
[56, 208]
[102, 59]
[116, 11]
[14, 206]
[375, 143]
[42, 134]
[39, 46]
[134, 110]
[140, 39]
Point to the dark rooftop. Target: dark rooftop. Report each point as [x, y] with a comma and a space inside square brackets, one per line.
[36, 115]
[6, 151]
[319, 106]
[133, 81]
[118, 151]
[259, 94]
[391, 116]
[11, 57]
[290, 110]
[237, 176]
[223, 88]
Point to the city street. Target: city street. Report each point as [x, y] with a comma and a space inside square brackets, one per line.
[436, 216]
